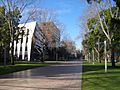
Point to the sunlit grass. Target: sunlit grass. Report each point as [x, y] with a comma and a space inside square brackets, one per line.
[95, 78]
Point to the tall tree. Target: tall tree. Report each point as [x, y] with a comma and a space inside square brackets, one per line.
[4, 35]
[104, 22]
[13, 10]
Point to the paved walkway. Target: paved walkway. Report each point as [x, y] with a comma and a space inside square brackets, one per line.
[57, 77]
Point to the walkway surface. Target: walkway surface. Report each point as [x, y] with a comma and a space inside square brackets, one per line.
[65, 76]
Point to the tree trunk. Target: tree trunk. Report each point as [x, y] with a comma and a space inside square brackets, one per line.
[99, 60]
[12, 56]
[112, 57]
[4, 56]
[89, 56]
[12, 42]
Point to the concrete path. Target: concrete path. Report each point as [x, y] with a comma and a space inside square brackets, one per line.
[65, 76]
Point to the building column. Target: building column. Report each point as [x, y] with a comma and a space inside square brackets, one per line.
[14, 48]
[29, 47]
[23, 47]
[18, 47]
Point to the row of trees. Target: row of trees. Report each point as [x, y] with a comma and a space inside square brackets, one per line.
[66, 51]
[103, 26]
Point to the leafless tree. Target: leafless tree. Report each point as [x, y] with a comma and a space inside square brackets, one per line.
[46, 15]
[69, 45]
[90, 12]
[43, 15]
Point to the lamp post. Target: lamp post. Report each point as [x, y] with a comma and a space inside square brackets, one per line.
[105, 56]
[93, 56]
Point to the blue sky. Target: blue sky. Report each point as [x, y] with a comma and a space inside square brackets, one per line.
[69, 12]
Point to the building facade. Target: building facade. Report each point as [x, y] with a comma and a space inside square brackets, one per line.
[52, 34]
[31, 43]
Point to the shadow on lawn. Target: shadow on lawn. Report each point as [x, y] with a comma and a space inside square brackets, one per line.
[87, 68]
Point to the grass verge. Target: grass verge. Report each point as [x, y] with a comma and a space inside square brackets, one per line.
[24, 65]
[20, 66]
[95, 78]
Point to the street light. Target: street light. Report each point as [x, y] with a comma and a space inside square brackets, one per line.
[105, 52]
[105, 56]
[93, 56]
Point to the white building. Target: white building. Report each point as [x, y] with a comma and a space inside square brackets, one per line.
[32, 39]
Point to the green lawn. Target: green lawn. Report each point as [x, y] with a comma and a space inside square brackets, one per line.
[19, 66]
[94, 77]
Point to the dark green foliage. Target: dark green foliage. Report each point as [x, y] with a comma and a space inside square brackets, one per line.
[9, 31]
[117, 3]
[115, 26]
[111, 25]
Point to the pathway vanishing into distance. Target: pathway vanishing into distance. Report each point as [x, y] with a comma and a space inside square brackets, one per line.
[66, 76]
